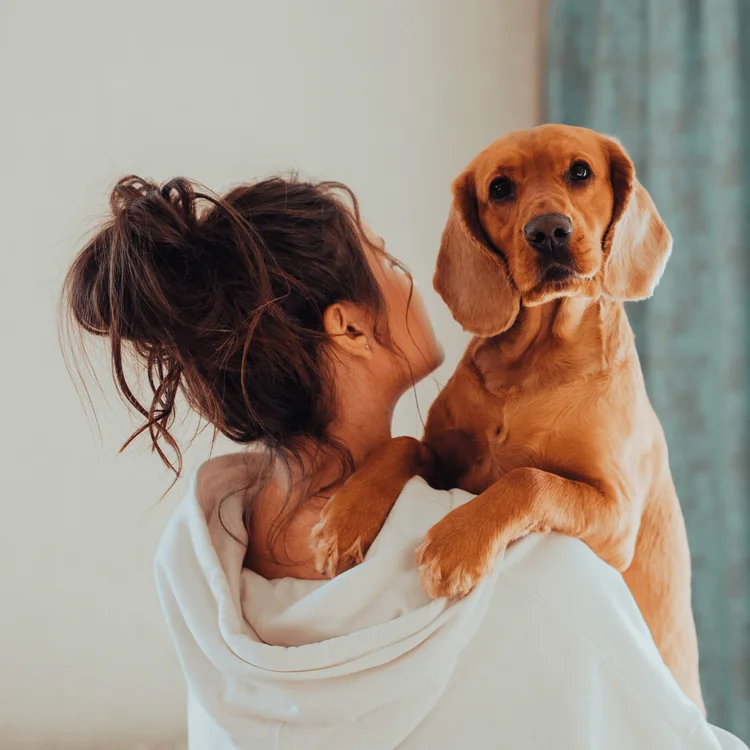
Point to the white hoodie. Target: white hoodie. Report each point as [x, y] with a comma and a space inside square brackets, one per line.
[549, 652]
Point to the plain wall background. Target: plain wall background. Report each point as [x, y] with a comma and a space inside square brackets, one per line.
[392, 97]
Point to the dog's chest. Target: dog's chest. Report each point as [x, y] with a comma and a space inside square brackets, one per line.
[517, 428]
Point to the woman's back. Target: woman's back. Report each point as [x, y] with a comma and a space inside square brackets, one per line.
[550, 651]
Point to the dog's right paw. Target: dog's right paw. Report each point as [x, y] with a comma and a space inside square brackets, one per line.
[354, 516]
[348, 526]
[336, 543]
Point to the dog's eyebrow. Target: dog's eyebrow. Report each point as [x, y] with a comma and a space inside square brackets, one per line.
[510, 170]
[511, 161]
[504, 168]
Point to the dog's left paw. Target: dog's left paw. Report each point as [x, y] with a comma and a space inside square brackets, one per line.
[450, 563]
[459, 551]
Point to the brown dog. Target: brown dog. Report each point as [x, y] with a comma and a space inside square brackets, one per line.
[547, 416]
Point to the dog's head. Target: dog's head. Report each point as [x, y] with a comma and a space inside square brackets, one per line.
[551, 212]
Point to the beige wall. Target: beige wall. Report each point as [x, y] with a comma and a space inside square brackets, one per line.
[390, 96]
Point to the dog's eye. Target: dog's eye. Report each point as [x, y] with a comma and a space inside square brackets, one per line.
[579, 171]
[501, 188]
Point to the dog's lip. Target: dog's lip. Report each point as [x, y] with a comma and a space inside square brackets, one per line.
[557, 272]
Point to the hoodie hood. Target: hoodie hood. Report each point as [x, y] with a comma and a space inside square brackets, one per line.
[357, 661]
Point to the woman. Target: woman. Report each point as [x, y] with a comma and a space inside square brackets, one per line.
[283, 321]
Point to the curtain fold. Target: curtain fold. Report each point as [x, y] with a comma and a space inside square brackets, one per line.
[671, 79]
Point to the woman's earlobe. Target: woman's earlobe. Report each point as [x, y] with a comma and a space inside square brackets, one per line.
[344, 324]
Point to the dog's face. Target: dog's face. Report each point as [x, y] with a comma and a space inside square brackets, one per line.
[545, 200]
[545, 213]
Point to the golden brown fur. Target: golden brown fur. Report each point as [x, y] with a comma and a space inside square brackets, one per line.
[546, 417]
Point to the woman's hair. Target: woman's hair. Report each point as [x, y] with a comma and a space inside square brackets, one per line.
[222, 299]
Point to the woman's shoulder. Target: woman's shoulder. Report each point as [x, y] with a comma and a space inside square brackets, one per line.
[553, 563]
[561, 570]
[220, 476]
[574, 587]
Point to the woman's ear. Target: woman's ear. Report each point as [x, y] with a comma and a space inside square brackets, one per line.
[346, 325]
[637, 244]
[470, 276]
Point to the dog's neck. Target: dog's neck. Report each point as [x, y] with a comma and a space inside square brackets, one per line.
[555, 342]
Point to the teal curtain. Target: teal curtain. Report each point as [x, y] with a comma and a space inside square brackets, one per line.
[671, 79]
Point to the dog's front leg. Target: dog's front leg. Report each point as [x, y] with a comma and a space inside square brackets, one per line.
[460, 550]
[353, 517]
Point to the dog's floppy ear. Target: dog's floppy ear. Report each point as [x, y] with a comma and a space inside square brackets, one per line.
[637, 244]
[471, 277]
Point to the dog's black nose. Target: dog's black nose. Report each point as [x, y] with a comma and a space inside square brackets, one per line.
[548, 234]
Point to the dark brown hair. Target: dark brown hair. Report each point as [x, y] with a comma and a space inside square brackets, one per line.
[222, 299]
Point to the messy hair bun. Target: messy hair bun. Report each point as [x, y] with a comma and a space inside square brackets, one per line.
[222, 299]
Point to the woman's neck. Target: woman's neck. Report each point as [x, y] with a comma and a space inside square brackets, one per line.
[363, 423]
[363, 427]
